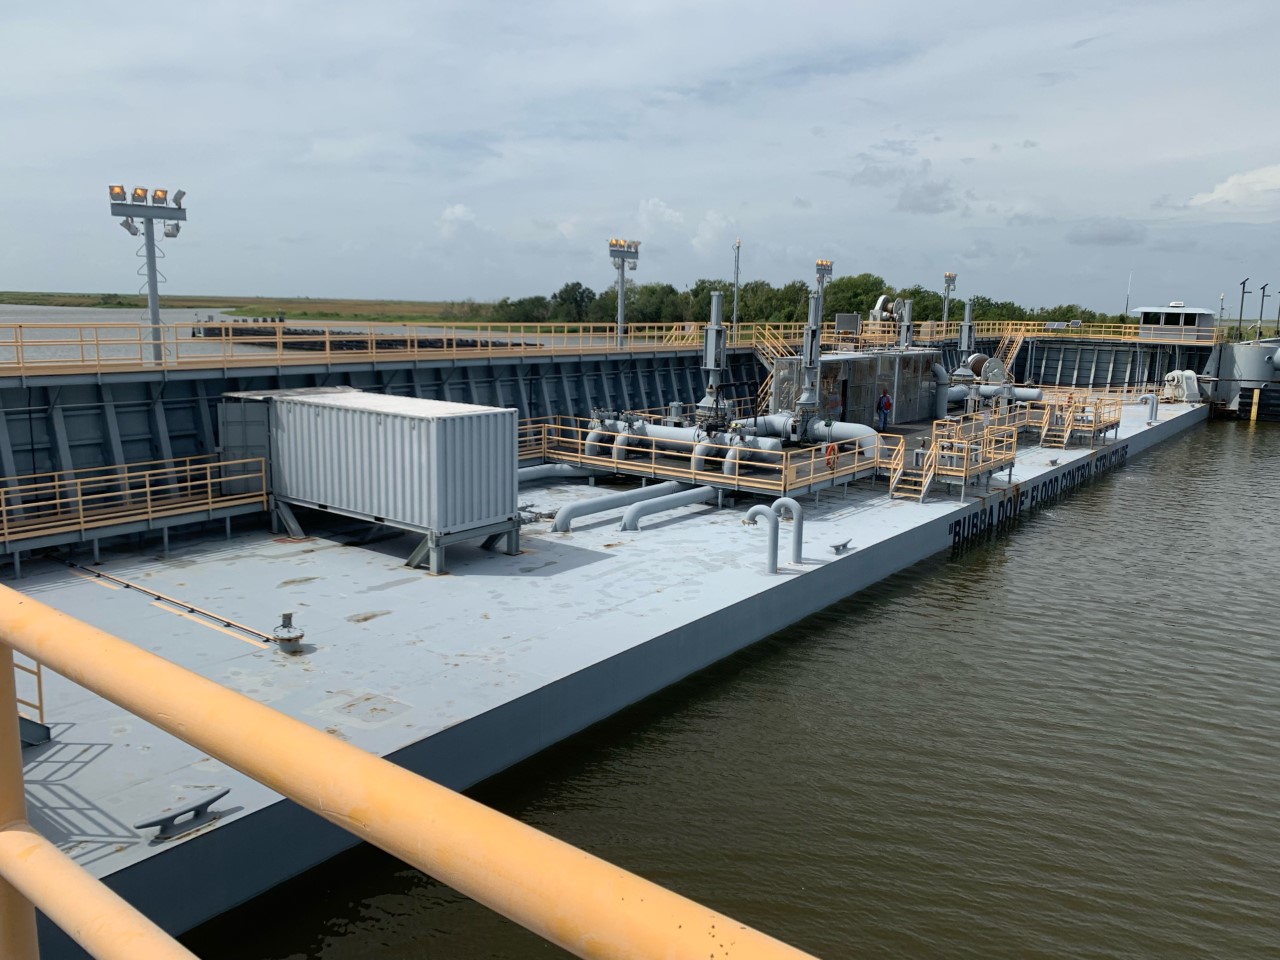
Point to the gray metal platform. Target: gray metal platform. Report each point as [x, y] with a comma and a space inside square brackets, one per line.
[457, 677]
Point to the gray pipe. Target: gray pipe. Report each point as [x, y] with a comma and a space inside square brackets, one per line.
[583, 508]
[545, 470]
[1153, 407]
[700, 454]
[1275, 359]
[956, 395]
[1019, 393]
[819, 431]
[596, 447]
[761, 511]
[620, 446]
[797, 515]
[940, 394]
[759, 449]
[631, 519]
[774, 425]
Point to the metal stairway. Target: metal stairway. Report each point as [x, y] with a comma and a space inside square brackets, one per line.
[769, 347]
[913, 482]
[1010, 344]
[1058, 426]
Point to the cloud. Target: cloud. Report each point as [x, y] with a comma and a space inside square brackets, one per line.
[454, 216]
[711, 230]
[1107, 232]
[1254, 193]
[978, 251]
[1176, 244]
[1051, 78]
[905, 148]
[655, 214]
[801, 204]
[1029, 144]
[924, 194]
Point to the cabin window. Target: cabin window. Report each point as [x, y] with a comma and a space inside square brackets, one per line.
[1150, 317]
[1173, 319]
[1188, 319]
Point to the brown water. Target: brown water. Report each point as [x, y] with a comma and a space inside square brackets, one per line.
[1065, 743]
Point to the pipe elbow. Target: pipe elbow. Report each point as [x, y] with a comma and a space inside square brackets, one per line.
[789, 504]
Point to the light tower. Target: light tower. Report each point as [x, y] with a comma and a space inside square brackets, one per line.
[625, 254]
[948, 284]
[134, 206]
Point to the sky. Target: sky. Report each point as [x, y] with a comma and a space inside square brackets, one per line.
[1044, 152]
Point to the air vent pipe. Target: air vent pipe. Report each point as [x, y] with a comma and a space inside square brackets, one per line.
[797, 532]
[761, 512]
[1153, 408]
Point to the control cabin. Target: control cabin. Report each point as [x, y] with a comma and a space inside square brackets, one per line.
[1176, 321]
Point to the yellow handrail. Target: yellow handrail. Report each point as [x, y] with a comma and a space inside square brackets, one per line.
[81, 500]
[582, 903]
[35, 873]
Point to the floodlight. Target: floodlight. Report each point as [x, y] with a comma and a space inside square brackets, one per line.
[171, 229]
[177, 198]
[117, 193]
[159, 197]
[139, 194]
[129, 225]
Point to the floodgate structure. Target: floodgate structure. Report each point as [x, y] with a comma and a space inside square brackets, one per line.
[453, 548]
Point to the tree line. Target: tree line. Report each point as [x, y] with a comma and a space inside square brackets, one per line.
[761, 302]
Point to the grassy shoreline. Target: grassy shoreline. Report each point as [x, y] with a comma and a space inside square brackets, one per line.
[292, 308]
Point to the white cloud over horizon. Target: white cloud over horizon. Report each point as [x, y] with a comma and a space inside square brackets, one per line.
[483, 150]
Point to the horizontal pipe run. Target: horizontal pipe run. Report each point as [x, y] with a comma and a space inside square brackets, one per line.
[585, 905]
[584, 508]
[545, 471]
[631, 519]
[89, 911]
[1019, 393]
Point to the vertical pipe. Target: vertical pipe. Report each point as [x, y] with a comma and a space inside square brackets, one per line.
[812, 358]
[737, 249]
[17, 915]
[153, 290]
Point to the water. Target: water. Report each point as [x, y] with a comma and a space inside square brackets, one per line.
[1060, 744]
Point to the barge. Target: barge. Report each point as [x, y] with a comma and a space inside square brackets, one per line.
[640, 546]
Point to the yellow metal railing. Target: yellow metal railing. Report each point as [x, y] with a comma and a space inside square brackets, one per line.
[581, 903]
[36, 348]
[36, 706]
[1038, 329]
[29, 349]
[96, 497]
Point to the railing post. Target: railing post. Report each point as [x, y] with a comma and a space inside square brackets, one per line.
[17, 915]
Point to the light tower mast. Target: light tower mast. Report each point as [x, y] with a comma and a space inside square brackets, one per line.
[625, 254]
[133, 207]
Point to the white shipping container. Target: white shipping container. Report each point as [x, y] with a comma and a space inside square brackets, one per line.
[427, 465]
